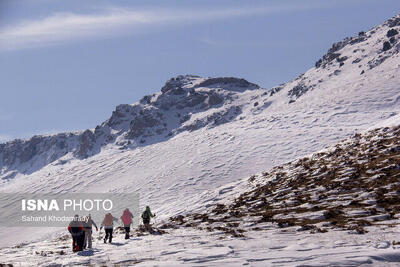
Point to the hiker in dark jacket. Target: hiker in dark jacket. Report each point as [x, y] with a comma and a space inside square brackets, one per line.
[146, 216]
[77, 232]
[88, 223]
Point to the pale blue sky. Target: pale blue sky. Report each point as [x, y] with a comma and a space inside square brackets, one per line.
[66, 64]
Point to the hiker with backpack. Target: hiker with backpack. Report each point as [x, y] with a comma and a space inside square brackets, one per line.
[127, 221]
[146, 216]
[88, 223]
[77, 232]
[108, 223]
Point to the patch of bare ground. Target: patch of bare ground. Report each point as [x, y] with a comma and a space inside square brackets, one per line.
[349, 186]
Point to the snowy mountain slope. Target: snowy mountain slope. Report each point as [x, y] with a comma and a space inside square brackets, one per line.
[348, 186]
[226, 129]
[337, 207]
[190, 97]
[190, 247]
[175, 109]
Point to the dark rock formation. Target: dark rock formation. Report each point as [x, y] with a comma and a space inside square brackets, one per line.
[231, 82]
[391, 33]
[386, 46]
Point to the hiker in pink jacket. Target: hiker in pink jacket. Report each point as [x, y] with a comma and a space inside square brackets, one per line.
[127, 221]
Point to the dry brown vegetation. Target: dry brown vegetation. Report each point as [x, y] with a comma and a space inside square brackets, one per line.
[349, 186]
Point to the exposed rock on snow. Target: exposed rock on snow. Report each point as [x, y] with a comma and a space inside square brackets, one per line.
[350, 186]
[228, 83]
[130, 125]
[28, 156]
[342, 200]
[86, 144]
[154, 115]
[176, 146]
[176, 84]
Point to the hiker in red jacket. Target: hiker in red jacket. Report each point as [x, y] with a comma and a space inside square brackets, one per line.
[127, 221]
[77, 232]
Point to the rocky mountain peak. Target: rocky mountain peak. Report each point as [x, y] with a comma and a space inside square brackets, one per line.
[189, 103]
[169, 111]
[178, 85]
[155, 117]
[175, 85]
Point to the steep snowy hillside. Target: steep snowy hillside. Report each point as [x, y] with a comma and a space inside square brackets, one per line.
[343, 200]
[201, 133]
[349, 186]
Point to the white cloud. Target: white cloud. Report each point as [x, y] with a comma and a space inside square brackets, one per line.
[69, 27]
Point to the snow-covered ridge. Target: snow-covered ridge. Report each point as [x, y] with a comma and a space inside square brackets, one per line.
[188, 103]
[349, 58]
[157, 117]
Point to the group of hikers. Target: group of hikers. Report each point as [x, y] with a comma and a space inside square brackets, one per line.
[81, 228]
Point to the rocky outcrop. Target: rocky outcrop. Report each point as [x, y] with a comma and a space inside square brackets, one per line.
[86, 144]
[298, 90]
[162, 114]
[229, 83]
[177, 83]
[140, 124]
[333, 54]
[26, 156]
[393, 22]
